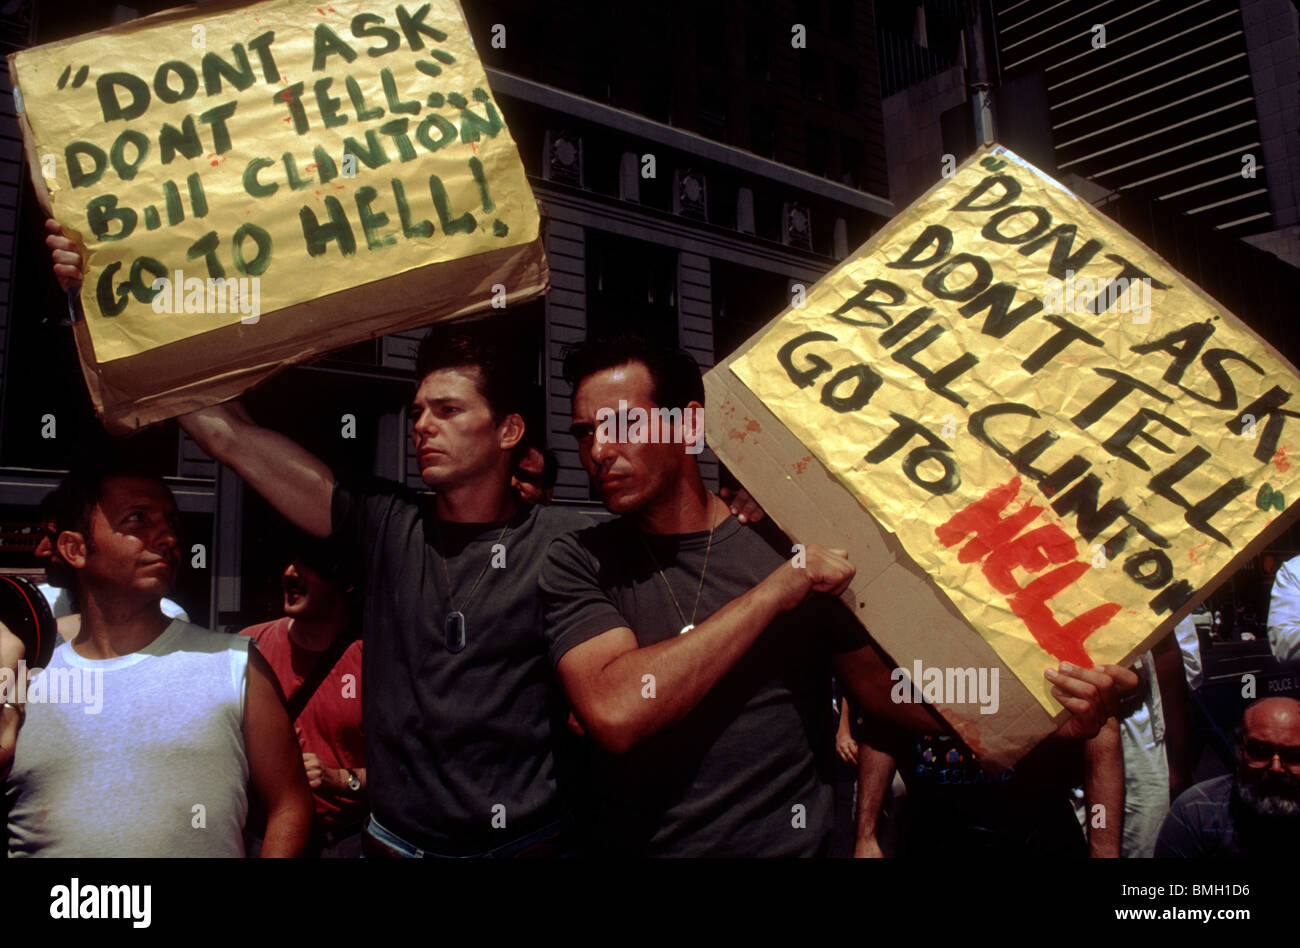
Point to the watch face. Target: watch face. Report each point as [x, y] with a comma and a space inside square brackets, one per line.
[354, 782]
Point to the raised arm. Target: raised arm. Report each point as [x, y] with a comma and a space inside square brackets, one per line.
[291, 479]
[606, 676]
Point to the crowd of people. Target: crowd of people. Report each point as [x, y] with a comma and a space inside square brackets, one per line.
[473, 672]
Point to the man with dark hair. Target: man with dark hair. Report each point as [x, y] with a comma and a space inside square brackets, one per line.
[464, 722]
[1254, 811]
[58, 586]
[694, 653]
[162, 718]
[315, 651]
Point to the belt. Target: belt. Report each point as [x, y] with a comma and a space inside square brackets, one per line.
[549, 841]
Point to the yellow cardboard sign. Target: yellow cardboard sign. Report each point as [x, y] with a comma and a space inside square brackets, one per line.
[1067, 435]
[293, 149]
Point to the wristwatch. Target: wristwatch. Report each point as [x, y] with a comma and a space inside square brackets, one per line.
[354, 782]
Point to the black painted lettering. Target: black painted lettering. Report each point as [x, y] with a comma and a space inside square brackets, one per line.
[912, 259]
[1121, 387]
[816, 365]
[992, 229]
[1010, 191]
[1001, 319]
[1063, 260]
[1067, 333]
[1135, 427]
[865, 299]
[936, 381]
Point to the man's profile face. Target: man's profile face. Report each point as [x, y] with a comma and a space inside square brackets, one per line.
[307, 593]
[134, 542]
[456, 439]
[1268, 774]
[627, 476]
[529, 477]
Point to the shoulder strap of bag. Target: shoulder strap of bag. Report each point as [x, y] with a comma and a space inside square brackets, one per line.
[323, 666]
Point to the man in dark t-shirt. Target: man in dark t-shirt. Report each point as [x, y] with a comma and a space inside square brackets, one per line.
[751, 738]
[458, 704]
[691, 650]
[468, 727]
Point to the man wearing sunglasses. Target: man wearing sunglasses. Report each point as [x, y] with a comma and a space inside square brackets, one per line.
[1254, 811]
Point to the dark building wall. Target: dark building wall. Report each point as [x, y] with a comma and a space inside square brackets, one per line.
[770, 167]
[724, 69]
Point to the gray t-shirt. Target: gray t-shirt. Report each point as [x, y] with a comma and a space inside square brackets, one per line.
[139, 756]
[747, 772]
[460, 746]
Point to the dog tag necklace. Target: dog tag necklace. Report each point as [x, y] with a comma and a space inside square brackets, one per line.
[453, 626]
[686, 626]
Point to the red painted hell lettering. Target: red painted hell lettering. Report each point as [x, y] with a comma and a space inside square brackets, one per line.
[998, 542]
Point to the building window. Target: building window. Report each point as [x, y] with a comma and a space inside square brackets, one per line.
[762, 135]
[846, 87]
[818, 155]
[812, 71]
[631, 287]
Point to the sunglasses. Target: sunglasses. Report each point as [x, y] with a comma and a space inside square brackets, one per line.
[1260, 753]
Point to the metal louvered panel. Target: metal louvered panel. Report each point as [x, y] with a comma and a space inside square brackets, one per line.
[1151, 99]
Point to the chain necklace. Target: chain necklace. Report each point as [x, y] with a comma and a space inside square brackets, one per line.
[453, 626]
[686, 626]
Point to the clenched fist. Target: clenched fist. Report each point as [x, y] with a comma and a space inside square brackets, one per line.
[816, 569]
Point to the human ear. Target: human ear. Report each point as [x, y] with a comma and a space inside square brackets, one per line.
[72, 548]
[511, 431]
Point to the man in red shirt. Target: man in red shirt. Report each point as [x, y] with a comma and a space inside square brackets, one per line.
[318, 636]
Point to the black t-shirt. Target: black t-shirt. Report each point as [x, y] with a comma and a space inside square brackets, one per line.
[452, 737]
[745, 773]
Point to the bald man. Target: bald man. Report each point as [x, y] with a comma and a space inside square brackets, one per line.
[1254, 812]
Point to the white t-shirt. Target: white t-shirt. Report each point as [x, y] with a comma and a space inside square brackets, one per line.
[1284, 612]
[61, 603]
[136, 756]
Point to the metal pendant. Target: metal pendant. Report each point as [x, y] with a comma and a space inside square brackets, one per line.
[454, 630]
[686, 628]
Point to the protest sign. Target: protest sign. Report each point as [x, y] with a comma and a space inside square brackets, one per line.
[1040, 442]
[253, 186]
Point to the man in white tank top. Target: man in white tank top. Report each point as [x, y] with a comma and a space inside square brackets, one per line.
[141, 735]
